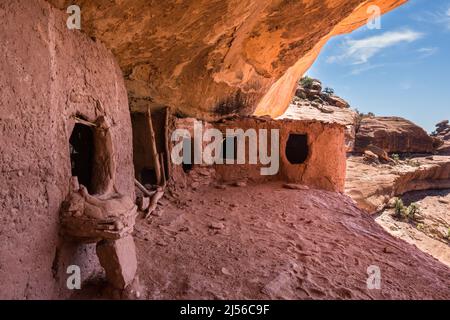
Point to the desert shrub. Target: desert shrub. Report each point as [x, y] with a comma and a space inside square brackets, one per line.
[413, 163]
[412, 211]
[409, 213]
[360, 116]
[306, 82]
[399, 208]
[329, 91]
[395, 157]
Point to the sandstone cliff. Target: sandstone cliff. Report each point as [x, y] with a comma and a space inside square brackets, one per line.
[372, 186]
[393, 135]
[213, 58]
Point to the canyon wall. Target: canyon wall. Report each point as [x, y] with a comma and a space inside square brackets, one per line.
[49, 75]
[211, 58]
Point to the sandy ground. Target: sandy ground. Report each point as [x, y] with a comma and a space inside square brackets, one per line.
[431, 233]
[267, 242]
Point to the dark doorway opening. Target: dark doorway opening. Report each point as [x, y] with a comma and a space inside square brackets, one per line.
[188, 155]
[297, 149]
[229, 148]
[82, 154]
[148, 176]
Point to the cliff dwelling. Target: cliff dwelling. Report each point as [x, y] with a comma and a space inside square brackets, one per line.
[159, 151]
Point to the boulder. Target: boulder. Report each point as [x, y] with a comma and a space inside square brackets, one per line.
[316, 85]
[370, 157]
[118, 258]
[442, 124]
[336, 101]
[393, 135]
[380, 153]
[442, 137]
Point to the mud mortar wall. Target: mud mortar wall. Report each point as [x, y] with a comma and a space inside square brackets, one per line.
[49, 74]
[324, 167]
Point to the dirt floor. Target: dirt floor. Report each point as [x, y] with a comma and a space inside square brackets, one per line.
[431, 231]
[268, 242]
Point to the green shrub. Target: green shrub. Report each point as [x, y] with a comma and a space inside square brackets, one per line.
[306, 82]
[395, 157]
[409, 213]
[412, 211]
[329, 91]
[399, 208]
[413, 163]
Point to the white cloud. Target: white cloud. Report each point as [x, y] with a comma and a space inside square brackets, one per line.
[441, 17]
[367, 67]
[361, 51]
[427, 51]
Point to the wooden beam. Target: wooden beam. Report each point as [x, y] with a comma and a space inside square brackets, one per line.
[86, 123]
[144, 189]
[155, 155]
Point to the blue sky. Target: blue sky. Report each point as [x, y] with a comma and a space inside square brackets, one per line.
[401, 69]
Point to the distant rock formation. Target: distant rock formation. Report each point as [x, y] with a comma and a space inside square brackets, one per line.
[311, 103]
[442, 133]
[394, 135]
[372, 186]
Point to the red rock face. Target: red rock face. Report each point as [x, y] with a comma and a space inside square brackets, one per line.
[209, 58]
[394, 135]
[49, 74]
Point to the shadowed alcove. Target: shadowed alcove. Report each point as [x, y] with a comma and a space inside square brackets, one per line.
[297, 149]
[82, 154]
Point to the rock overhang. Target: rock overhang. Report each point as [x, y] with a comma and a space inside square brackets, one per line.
[209, 59]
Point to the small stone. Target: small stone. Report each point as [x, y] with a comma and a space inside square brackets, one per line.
[161, 243]
[226, 272]
[388, 250]
[240, 184]
[143, 203]
[195, 185]
[294, 186]
[445, 201]
[118, 225]
[217, 226]
[221, 186]
[157, 212]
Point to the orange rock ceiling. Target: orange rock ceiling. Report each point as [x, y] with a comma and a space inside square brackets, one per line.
[210, 58]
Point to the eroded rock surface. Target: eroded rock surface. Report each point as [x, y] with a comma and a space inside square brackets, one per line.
[442, 133]
[277, 243]
[372, 186]
[430, 232]
[212, 58]
[394, 135]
